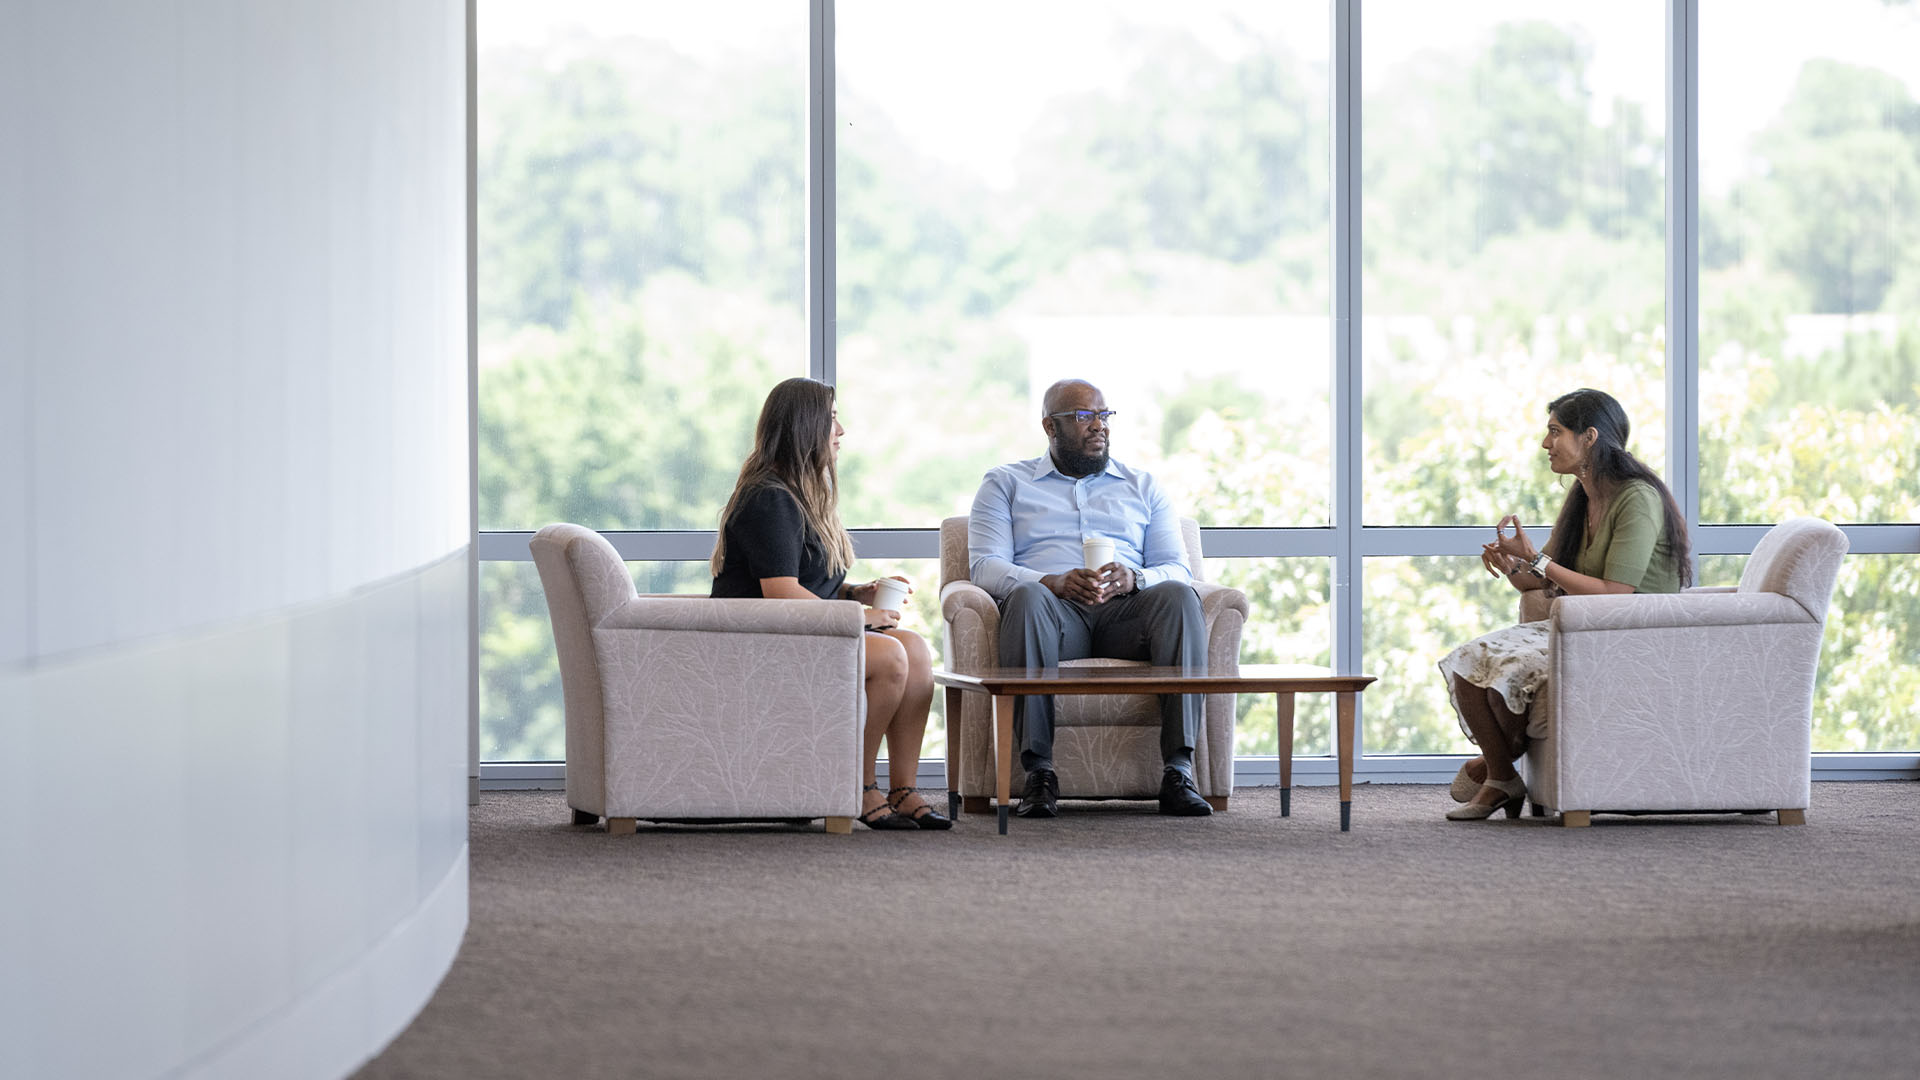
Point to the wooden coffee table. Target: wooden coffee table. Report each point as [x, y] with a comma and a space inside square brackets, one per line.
[1281, 680]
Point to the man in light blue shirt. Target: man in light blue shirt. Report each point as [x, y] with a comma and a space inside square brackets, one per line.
[1024, 539]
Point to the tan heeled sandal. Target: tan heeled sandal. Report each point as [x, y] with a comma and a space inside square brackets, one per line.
[1515, 791]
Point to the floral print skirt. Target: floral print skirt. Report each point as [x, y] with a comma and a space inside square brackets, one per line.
[1511, 660]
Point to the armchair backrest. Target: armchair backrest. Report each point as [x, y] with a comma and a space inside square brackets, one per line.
[584, 579]
[955, 561]
[1798, 558]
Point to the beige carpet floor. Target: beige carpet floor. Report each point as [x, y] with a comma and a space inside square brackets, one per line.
[1115, 943]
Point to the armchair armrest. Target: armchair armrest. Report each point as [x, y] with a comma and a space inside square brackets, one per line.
[1224, 610]
[1631, 611]
[809, 618]
[1217, 599]
[973, 626]
[957, 597]
[1536, 604]
[960, 596]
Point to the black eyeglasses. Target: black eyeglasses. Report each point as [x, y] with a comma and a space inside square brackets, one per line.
[1083, 417]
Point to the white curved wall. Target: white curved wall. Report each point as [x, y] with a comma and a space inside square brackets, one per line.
[233, 531]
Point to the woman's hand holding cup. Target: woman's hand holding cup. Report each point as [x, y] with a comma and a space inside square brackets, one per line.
[889, 593]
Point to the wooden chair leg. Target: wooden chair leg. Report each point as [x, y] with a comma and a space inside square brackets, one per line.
[1576, 819]
[1792, 817]
[622, 826]
[840, 826]
[976, 804]
[1218, 802]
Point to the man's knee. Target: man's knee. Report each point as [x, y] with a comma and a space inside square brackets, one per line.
[1028, 596]
[1177, 600]
[1030, 604]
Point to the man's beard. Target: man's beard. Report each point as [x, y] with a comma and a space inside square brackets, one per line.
[1080, 462]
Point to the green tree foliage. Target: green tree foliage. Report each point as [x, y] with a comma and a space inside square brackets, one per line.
[1460, 152]
[642, 226]
[1193, 154]
[631, 162]
[1836, 200]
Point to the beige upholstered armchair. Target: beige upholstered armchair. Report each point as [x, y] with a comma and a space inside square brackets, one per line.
[1698, 701]
[687, 708]
[1104, 746]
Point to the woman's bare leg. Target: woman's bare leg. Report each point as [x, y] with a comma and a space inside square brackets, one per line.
[1476, 709]
[886, 684]
[909, 726]
[1505, 720]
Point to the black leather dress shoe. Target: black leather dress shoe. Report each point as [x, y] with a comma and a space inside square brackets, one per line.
[1041, 797]
[1179, 798]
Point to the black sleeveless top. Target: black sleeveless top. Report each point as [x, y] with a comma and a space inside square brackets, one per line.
[767, 537]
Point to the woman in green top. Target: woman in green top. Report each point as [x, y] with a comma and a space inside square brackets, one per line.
[1619, 531]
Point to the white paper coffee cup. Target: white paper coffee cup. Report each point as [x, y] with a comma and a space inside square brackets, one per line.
[889, 594]
[1097, 551]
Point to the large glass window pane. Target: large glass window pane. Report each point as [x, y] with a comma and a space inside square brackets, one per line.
[1809, 261]
[1294, 599]
[1513, 244]
[1417, 610]
[642, 216]
[1131, 193]
[1867, 693]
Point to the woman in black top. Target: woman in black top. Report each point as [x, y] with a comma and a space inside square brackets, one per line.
[781, 538]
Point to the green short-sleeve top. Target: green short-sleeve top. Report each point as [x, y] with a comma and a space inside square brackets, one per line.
[1631, 546]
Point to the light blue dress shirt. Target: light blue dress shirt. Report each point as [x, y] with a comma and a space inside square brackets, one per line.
[1028, 519]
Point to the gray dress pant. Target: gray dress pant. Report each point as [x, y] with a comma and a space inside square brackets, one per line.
[1161, 624]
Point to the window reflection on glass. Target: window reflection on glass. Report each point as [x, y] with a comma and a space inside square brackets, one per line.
[522, 713]
[642, 228]
[1136, 195]
[1809, 261]
[1417, 610]
[1513, 244]
[1867, 693]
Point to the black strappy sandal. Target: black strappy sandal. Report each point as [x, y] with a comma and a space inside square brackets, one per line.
[891, 817]
[927, 818]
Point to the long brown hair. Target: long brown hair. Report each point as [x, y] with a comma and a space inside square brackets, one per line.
[793, 447]
[1612, 466]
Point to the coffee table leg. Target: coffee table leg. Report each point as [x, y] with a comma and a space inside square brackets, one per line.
[1284, 703]
[1003, 755]
[1343, 710]
[954, 706]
